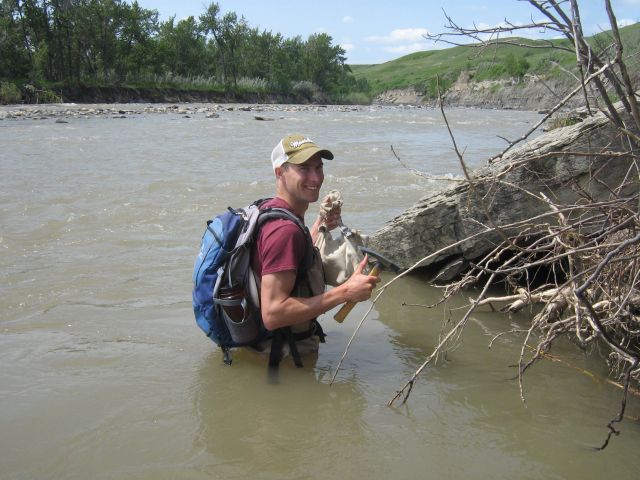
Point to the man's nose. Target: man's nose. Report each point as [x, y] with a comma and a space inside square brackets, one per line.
[317, 176]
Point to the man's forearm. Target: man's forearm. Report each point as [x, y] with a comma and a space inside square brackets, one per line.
[279, 309]
[296, 310]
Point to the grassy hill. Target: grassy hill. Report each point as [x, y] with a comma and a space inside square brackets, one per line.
[501, 60]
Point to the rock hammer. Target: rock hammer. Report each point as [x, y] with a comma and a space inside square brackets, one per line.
[380, 263]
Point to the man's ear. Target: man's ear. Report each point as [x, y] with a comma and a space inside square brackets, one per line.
[280, 170]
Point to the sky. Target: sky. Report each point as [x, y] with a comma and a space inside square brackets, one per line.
[375, 31]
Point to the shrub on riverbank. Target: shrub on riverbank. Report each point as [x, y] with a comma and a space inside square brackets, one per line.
[9, 93]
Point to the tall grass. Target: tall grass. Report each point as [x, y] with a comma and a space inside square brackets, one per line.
[190, 82]
[197, 82]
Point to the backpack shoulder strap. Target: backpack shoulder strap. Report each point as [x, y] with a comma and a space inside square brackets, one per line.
[277, 212]
[285, 335]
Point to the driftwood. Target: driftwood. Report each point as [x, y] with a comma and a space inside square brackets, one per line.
[577, 256]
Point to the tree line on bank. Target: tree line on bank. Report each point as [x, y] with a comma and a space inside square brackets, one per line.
[113, 42]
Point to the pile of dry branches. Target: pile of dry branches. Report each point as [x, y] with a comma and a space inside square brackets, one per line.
[590, 252]
[580, 263]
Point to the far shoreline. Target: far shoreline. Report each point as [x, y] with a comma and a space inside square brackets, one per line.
[61, 111]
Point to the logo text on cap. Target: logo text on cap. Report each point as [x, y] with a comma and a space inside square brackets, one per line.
[297, 143]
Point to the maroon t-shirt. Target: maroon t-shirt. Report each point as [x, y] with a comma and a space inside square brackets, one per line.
[280, 244]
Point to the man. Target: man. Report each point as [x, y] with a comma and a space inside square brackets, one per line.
[290, 294]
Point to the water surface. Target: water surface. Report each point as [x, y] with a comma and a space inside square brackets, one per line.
[105, 374]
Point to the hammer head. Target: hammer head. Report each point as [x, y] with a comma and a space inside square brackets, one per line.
[381, 261]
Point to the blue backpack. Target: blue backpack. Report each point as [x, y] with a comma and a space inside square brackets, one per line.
[223, 281]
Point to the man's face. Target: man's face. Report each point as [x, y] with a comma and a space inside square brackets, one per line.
[303, 182]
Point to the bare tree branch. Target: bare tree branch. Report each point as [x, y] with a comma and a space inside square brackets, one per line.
[587, 252]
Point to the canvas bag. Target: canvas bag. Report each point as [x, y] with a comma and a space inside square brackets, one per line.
[340, 256]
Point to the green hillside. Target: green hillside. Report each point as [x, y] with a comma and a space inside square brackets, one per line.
[501, 60]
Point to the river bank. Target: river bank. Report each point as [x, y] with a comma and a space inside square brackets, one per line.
[263, 111]
[81, 93]
[531, 93]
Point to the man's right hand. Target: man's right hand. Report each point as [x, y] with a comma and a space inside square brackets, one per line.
[360, 285]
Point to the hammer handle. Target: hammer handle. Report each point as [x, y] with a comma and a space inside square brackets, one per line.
[348, 306]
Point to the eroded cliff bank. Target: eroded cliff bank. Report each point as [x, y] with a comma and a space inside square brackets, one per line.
[529, 93]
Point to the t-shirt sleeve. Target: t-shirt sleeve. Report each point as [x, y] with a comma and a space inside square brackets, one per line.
[281, 246]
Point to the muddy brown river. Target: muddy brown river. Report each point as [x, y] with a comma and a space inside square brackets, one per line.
[105, 375]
